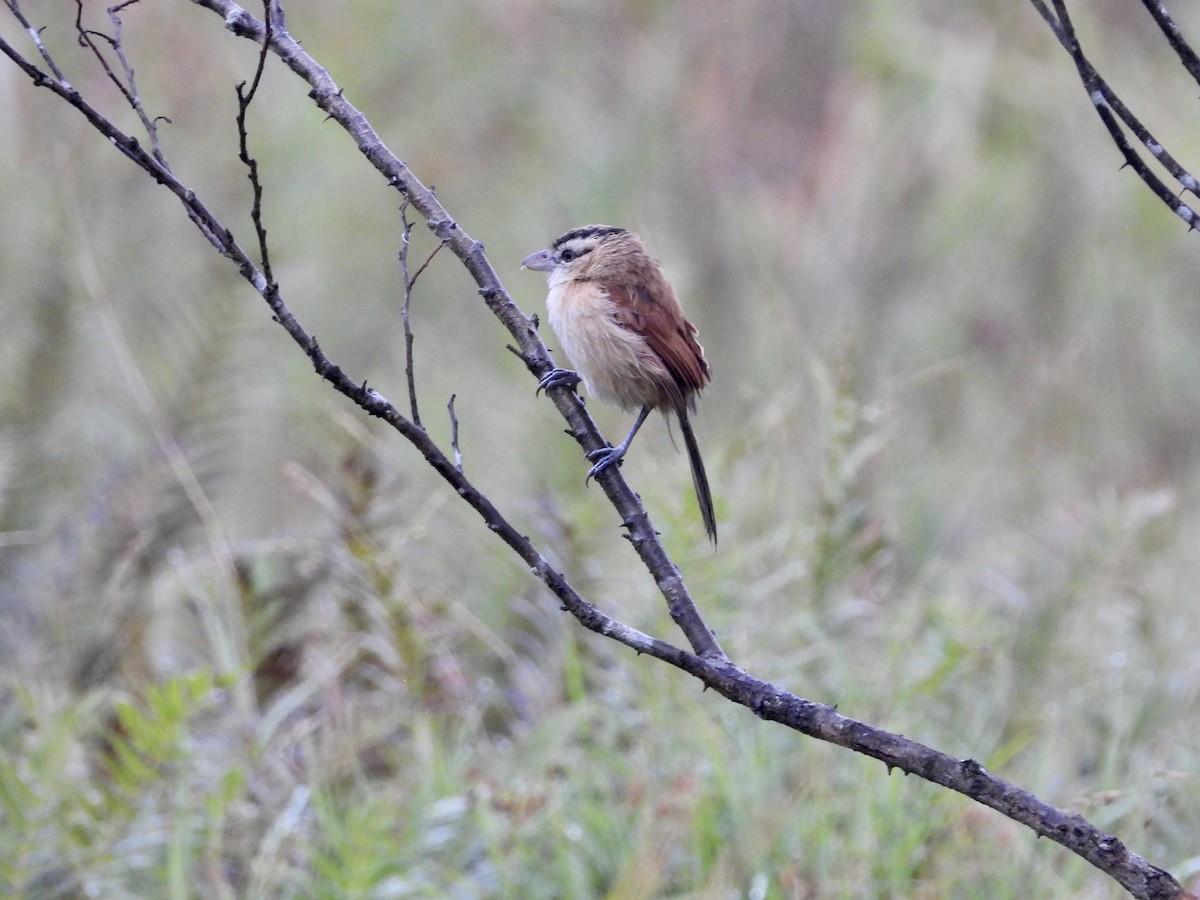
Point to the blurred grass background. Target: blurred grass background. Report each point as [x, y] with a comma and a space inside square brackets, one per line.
[250, 646]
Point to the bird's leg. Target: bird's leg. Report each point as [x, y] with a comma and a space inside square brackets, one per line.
[557, 377]
[612, 455]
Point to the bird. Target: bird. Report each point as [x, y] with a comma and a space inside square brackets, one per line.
[623, 329]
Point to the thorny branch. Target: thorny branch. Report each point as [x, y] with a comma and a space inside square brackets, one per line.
[1186, 54]
[245, 97]
[707, 663]
[1113, 112]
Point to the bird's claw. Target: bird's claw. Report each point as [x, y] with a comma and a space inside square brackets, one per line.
[604, 458]
[558, 378]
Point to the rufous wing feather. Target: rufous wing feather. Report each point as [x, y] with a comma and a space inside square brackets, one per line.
[667, 333]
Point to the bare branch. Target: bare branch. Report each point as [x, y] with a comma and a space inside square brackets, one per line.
[1187, 55]
[454, 433]
[35, 34]
[245, 98]
[127, 84]
[965, 776]
[423, 266]
[1107, 105]
[128, 146]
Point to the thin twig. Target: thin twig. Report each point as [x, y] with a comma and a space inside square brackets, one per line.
[35, 34]
[409, 368]
[409, 283]
[454, 433]
[425, 265]
[127, 83]
[245, 98]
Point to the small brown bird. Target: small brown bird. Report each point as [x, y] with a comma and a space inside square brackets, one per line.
[623, 329]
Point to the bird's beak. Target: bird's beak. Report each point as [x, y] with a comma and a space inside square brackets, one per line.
[542, 261]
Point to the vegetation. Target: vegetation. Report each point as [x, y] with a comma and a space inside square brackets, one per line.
[250, 646]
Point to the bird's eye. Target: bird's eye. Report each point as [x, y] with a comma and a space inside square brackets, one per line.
[567, 255]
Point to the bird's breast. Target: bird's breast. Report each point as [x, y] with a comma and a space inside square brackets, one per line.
[616, 364]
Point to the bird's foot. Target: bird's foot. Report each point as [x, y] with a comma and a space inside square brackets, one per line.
[558, 378]
[604, 458]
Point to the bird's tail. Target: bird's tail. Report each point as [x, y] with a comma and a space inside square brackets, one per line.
[699, 478]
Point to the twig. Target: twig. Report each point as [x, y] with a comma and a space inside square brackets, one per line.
[245, 98]
[127, 84]
[35, 34]
[423, 266]
[409, 369]
[454, 433]
[408, 334]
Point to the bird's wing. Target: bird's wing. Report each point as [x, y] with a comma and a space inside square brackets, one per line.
[671, 336]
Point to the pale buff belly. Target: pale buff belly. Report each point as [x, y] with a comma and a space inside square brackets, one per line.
[616, 364]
